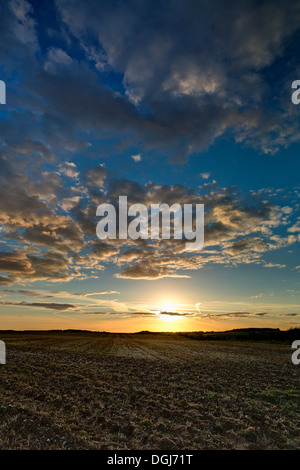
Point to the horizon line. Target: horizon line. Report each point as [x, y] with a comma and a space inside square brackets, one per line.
[147, 331]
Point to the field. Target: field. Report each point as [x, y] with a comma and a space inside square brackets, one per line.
[68, 390]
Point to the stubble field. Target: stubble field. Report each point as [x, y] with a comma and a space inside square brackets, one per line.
[146, 391]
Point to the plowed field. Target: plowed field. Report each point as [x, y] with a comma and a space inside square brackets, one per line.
[147, 391]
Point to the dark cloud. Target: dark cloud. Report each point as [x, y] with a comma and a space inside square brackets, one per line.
[32, 267]
[201, 68]
[188, 70]
[85, 294]
[222, 316]
[6, 280]
[15, 263]
[148, 271]
[179, 314]
[139, 313]
[51, 306]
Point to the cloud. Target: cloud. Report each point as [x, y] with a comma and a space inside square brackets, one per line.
[6, 280]
[238, 229]
[144, 271]
[47, 244]
[295, 228]
[200, 79]
[127, 313]
[69, 169]
[258, 296]
[81, 294]
[104, 292]
[252, 244]
[184, 81]
[174, 91]
[290, 315]
[56, 58]
[274, 265]
[179, 314]
[15, 263]
[70, 203]
[95, 177]
[222, 316]
[32, 267]
[51, 306]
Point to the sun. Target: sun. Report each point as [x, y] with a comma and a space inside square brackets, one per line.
[168, 307]
[170, 311]
[168, 318]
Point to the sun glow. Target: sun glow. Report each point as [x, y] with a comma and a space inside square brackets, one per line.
[170, 312]
[168, 318]
[168, 307]
[166, 311]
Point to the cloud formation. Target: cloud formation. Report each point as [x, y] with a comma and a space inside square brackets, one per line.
[184, 73]
[178, 75]
[47, 244]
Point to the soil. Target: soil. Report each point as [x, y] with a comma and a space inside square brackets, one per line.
[150, 391]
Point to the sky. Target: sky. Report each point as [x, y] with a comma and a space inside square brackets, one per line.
[168, 101]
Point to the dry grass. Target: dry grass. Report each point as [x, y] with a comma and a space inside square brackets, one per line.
[104, 391]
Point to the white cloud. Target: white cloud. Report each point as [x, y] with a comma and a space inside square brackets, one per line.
[273, 265]
[69, 169]
[136, 158]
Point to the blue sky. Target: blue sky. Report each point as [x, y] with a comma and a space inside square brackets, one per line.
[165, 102]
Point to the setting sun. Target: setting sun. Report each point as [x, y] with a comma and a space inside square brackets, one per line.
[168, 307]
[170, 318]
